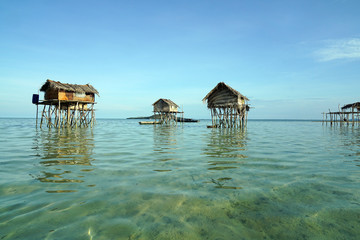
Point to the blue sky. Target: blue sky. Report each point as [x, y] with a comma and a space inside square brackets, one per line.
[292, 59]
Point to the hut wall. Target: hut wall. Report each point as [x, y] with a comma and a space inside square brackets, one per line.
[161, 109]
[65, 95]
[173, 108]
[222, 97]
[62, 95]
[86, 97]
[164, 108]
[160, 106]
[241, 101]
[51, 94]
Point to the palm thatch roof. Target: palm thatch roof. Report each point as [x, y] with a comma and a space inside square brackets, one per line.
[69, 87]
[227, 96]
[351, 105]
[167, 101]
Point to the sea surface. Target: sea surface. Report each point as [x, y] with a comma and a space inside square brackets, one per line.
[122, 180]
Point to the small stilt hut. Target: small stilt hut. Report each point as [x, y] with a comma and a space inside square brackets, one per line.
[66, 105]
[228, 107]
[166, 111]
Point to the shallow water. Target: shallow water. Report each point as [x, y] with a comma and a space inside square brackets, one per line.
[122, 180]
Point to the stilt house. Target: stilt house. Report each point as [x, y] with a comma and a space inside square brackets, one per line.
[349, 114]
[228, 107]
[67, 104]
[166, 111]
[165, 105]
[68, 92]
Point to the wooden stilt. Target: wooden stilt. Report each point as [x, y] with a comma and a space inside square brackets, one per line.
[228, 117]
[37, 112]
[67, 114]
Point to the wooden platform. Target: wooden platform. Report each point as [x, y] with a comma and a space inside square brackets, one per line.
[63, 102]
[342, 117]
[57, 113]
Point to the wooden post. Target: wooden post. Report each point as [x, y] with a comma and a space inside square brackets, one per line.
[42, 116]
[59, 117]
[212, 117]
[76, 114]
[326, 118]
[49, 115]
[68, 115]
[246, 114]
[37, 112]
[92, 115]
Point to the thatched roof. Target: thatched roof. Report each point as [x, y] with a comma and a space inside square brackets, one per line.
[69, 87]
[223, 96]
[351, 105]
[222, 85]
[167, 101]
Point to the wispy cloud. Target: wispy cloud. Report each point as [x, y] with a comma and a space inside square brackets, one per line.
[339, 49]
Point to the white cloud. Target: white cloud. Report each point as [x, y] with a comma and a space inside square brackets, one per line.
[339, 49]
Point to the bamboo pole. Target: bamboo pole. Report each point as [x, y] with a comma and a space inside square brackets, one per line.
[92, 117]
[213, 116]
[63, 118]
[37, 112]
[76, 115]
[59, 118]
[246, 115]
[49, 115]
[42, 116]
[68, 115]
[325, 117]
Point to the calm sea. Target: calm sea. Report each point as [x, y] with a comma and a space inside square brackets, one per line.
[122, 180]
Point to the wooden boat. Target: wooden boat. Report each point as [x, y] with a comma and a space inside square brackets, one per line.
[149, 123]
[186, 120]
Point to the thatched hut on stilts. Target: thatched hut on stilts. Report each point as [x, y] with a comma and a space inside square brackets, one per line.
[166, 111]
[228, 107]
[349, 114]
[66, 105]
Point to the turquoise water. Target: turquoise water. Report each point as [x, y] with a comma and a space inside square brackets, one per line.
[122, 180]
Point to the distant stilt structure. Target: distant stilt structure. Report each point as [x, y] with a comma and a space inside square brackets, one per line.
[166, 112]
[66, 105]
[349, 114]
[228, 107]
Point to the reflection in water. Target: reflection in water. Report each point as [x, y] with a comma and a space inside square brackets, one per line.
[60, 150]
[165, 144]
[225, 149]
[350, 137]
[226, 143]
